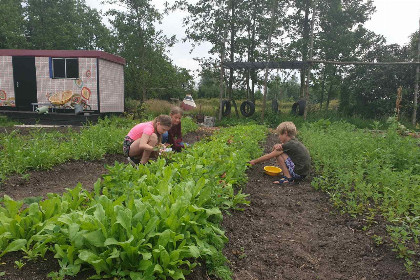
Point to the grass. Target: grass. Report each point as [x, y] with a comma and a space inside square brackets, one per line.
[5, 121]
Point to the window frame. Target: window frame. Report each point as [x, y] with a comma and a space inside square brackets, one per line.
[53, 76]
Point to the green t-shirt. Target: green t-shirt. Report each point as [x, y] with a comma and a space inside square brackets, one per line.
[299, 154]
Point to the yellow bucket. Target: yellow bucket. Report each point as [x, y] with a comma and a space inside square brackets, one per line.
[272, 170]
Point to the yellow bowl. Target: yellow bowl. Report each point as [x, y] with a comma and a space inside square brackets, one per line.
[272, 170]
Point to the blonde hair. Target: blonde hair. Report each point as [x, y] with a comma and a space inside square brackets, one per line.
[176, 110]
[288, 127]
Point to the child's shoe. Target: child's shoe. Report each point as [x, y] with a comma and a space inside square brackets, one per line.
[133, 161]
[284, 180]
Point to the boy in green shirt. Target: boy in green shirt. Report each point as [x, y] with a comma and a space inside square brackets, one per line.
[292, 156]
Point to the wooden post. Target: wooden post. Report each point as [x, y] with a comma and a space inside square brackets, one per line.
[416, 85]
[397, 103]
[273, 19]
[311, 46]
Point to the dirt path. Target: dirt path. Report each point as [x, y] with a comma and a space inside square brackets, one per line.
[288, 232]
[292, 232]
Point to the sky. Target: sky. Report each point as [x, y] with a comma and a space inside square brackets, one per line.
[396, 20]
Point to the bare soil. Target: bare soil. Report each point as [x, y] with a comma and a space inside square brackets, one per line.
[287, 232]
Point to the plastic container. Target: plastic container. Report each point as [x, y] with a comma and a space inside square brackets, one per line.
[272, 170]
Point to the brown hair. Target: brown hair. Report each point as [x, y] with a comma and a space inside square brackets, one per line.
[288, 127]
[176, 110]
[163, 120]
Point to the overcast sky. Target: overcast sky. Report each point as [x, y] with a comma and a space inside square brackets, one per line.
[396, 20]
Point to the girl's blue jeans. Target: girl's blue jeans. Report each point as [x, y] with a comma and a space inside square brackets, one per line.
[165, 137]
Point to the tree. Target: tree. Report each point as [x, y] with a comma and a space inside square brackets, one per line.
[64, 24]
[208, 86]
[141, 45]
[371, 91]
[284, 87]
[12, 25]
[340, 36]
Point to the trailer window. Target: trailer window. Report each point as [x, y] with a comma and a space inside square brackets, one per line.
[65, 68]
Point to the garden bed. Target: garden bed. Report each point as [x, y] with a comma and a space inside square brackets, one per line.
[287, 232]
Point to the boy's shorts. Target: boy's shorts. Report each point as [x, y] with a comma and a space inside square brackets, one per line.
[126, 145]
[291, 167]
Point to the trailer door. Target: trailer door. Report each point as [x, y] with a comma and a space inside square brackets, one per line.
[24, 75]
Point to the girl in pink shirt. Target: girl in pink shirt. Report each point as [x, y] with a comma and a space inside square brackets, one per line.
[143, 137]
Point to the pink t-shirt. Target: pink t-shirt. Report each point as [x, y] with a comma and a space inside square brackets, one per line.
[137, 131]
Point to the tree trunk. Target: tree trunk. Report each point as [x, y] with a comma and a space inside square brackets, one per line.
[329, 91]
[305, 37]
[251, 46]
[232, 53]
[144, 95]
[222, 60]
[247, 84]
[328, 98]
[322, 89]
[273, 20]
[252, 49]
[311, 46]
[416, 85]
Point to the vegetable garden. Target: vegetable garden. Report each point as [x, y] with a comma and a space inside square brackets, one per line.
[183, 211]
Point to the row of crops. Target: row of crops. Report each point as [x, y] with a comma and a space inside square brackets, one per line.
[155, 221]
[159, 220]
[374, 175]
[39, 150]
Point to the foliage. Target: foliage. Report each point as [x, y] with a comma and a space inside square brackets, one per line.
[242, 27]
[370, 174]
[64, 25]
[364, 96]
[154, 221]
[272, 119]
[71, 24]
[340, 36]
[209, 85]
[46, 149]
[283, 88]
[12, 30]
[188, 125]
[5, 121]
[149, 72]
[156, 107]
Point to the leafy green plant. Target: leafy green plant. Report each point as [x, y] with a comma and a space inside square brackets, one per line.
[54, 275]
[370, 174]
[42, 150]
[156, 220]
[19, 264]
[378, 240]
[188, 125]
[26, 176]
